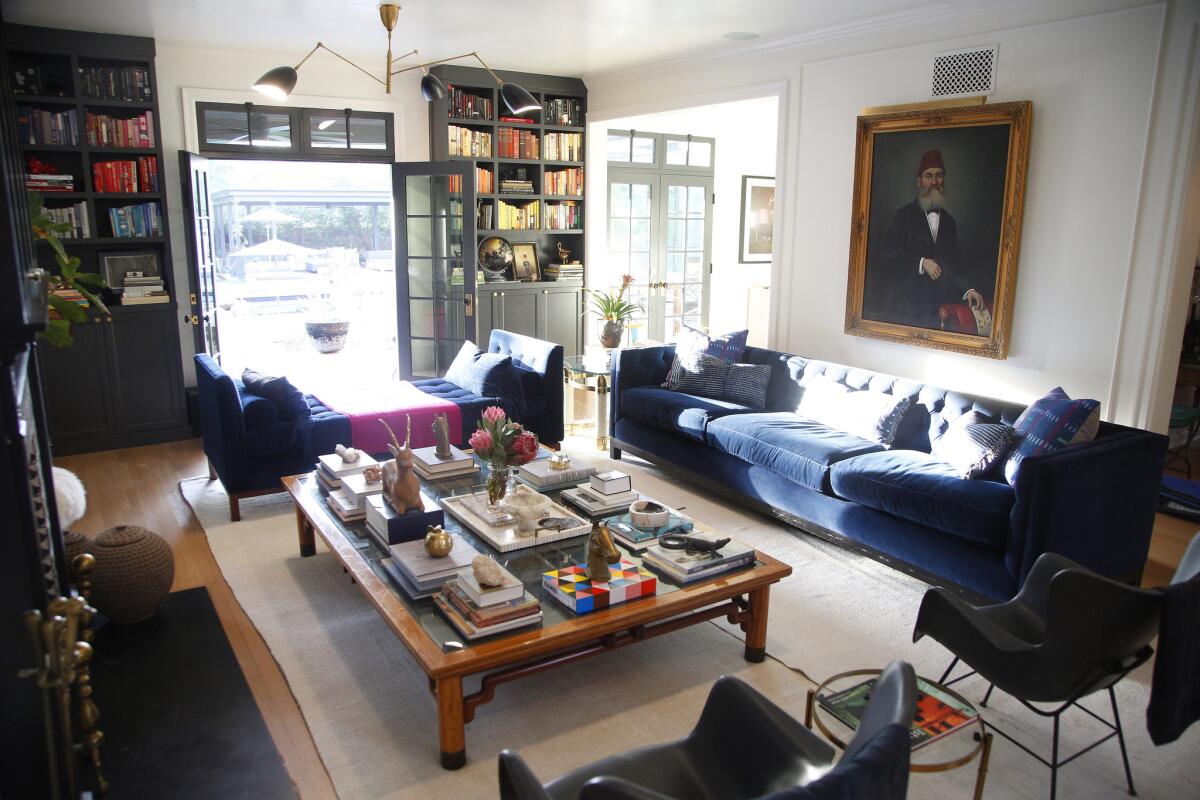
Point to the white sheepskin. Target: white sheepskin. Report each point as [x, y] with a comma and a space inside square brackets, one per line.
[70, 496]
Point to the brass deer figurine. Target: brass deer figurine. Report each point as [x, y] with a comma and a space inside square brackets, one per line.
[400, 485]
[600, 553]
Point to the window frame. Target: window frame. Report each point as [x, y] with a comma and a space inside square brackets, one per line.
[301, 147]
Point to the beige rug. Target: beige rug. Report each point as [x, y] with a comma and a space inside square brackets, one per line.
[373, 719]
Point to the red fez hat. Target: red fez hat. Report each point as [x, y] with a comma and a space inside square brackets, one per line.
[932, 158]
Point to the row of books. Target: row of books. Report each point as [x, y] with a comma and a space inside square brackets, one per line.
[104, 130]
[562, 111]
[74, 215]
[485, 182]
[563, 181]
[71, 295]
[565, 215]
[42, 182]
[517, 143]
[518, 218]
[513, 186]
[465, 105]
[40, 126]
[470, 142]
[564, 146]
[116, 83]
[116, 177]
[689, 566]
[137, 221]
[485, 216]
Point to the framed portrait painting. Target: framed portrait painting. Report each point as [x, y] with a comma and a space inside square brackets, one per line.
[758, 219]
[525, 261]
[935, 226]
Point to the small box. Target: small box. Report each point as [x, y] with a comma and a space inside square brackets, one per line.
[390, 528]
[611, 482]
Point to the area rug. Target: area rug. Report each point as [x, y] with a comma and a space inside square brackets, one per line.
[373, 719]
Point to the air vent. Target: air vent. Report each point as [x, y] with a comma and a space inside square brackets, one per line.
[960, 73]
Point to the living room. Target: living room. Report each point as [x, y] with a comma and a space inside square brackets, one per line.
[1094, 294]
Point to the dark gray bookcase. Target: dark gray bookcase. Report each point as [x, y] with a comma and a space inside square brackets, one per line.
[121, 383]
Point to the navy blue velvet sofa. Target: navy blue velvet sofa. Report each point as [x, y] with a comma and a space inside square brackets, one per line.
[1093, 503]
[251, 441]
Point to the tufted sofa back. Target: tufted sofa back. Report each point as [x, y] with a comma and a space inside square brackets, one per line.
[543, 362]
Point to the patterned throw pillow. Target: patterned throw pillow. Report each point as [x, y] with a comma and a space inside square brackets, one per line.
[693, 343]
[973, 446]
[745, 384]
[874, 416]
[1051, 423]
[487, 375]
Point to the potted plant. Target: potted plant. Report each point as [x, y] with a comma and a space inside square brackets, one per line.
[614, 310]
[503, 444]
[326, 321]
[69, 292]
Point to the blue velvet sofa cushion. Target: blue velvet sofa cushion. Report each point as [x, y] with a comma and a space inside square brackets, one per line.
[258, 413]
[919, 488]
[280, 391]
[488, 375]
[530, 382]
[686, 414]
[329, 428]
[797, 448]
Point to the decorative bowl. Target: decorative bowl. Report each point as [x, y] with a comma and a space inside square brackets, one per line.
[648, 514]
[527, 506]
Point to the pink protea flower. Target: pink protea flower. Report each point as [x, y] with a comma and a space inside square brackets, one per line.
[481, 441]
[493, 414]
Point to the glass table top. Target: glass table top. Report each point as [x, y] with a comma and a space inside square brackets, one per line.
[589, 364]
[526, 564]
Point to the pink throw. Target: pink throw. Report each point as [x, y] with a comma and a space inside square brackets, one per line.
[391, 402]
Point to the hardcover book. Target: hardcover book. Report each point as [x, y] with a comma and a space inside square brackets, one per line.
[427, 458]
[938, 714]
[611, 482]
[483, 596]
[472, 631]
[688, 561]
[336, 468]
[573, 588]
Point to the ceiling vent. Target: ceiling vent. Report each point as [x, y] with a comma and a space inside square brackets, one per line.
[962, 73]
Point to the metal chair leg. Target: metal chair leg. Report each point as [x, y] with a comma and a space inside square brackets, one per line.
[949, 669]
[1112, 696]
[988, 696]
[1054, 760]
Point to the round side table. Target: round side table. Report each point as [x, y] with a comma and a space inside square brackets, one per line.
[949, 752]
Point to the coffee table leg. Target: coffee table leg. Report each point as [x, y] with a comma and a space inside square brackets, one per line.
[451, 734]
[756, 628]
[304, 531]
[602, 412]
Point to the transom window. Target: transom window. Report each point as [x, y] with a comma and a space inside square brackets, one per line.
[279, 131]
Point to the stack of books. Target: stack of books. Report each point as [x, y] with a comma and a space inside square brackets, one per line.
[142, 289]
[685, 567]
[573, 588]
[540, 476]
[569, 271]
[331, 469]
[636, 540]
[47, 182]
[427, 465]
[607, 493]
[420, 574]
[476, 610]
[344, 508]
[513, 186]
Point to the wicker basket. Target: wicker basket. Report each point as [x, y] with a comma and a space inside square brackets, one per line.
[134, 571]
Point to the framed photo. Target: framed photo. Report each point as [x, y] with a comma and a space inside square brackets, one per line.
[525, 261]
[935, 225]
[758, 219]
[117, 266]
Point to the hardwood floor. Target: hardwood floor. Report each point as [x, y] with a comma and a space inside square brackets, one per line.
[141, 485]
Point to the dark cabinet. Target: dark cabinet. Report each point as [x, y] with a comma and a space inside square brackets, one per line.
[545, 310]
[119, 385]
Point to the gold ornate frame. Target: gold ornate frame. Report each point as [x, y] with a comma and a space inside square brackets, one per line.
[1019, 116]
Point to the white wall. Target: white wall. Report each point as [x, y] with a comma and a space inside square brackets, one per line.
[1092, 80]
[746, 137]
[225, 77]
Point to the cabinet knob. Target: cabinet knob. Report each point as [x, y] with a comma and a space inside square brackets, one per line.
[96, 320]
[545, 291]
[108, 319]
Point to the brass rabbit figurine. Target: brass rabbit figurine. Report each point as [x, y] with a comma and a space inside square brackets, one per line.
[400, 485]
[600, 553]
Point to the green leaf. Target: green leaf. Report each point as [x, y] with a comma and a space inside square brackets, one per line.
[91, 279]
[71, 312]
[58, 333]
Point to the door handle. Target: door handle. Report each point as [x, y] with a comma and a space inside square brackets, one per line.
[468, 304]
[191, 319]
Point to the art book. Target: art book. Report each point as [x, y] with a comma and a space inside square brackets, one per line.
[573, 588]
[938, 713]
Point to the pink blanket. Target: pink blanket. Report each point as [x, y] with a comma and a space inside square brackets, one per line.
[391, 402]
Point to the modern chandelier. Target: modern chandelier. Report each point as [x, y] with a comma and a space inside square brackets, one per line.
[278, 83]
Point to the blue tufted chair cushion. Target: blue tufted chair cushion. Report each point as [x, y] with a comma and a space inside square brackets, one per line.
[258, 412]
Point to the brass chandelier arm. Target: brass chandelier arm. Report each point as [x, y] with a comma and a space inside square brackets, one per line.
[473, 54]
[322, 46]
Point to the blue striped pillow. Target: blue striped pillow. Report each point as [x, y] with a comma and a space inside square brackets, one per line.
[1052, 422]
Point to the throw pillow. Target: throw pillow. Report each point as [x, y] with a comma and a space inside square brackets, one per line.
[874, 416]
[745, 384]
[287, 398]
[1051, 423]
[973, 446]
[487, 375]
[692, 344]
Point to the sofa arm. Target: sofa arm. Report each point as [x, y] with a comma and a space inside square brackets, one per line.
[1094, 504]
[641, 366]
[546, 359]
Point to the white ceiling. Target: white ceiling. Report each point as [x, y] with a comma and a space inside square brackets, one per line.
[562, 37]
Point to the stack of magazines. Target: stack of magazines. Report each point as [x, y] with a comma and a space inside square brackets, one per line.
[689, 566]
[475, 610]
[420, 574]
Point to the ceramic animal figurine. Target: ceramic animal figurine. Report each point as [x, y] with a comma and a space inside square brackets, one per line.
[438, 543]
[600, 553]
[349, 454]
[400, 485]
[441, 432]
[487, 571]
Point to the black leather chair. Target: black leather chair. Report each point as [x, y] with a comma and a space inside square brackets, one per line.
[1067, 634]
[744, 746]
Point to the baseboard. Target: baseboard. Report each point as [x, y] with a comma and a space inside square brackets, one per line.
[92, 444]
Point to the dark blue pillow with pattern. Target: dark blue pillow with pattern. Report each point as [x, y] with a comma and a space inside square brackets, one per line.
[1051, 423]
[745, 384]
[488, 375]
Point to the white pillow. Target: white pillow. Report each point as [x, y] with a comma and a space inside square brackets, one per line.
[874, 416]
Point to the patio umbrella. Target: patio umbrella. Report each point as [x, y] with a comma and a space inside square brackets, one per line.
[274, 247]
[271, 216]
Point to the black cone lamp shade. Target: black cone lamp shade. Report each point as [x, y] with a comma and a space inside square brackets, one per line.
[432, 87]
[278, 83]
[518, 100]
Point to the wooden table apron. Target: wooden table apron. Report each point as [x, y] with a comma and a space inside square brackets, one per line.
[742, 597]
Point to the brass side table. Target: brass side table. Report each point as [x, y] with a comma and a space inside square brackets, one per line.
[941, 755]
[590, 373]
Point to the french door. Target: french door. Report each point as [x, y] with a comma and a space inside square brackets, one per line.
[197, 208]
[435, 263]
[660, 232]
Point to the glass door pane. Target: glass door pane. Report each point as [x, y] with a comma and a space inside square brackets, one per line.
[435, 307]
[688, 224]
[630, 247]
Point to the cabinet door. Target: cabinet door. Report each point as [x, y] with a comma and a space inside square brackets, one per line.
[76, 380]
[519, 312]
[484, 315]
[146, 392]
[562, 319]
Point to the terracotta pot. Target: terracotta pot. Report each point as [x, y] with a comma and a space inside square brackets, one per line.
[610, 334]
[328, 337]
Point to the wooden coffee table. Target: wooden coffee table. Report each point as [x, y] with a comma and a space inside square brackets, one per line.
[562, 638]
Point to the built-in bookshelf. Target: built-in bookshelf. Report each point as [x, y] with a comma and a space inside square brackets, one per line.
[529, 169]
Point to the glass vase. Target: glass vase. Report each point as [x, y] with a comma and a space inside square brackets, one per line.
[499, 476]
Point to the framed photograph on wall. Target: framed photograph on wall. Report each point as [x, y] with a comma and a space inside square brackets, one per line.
[525, 261]
[935, 225]
[758, 219]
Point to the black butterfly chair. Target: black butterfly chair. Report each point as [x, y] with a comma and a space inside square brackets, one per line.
[1068, 633]
[744, 746]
